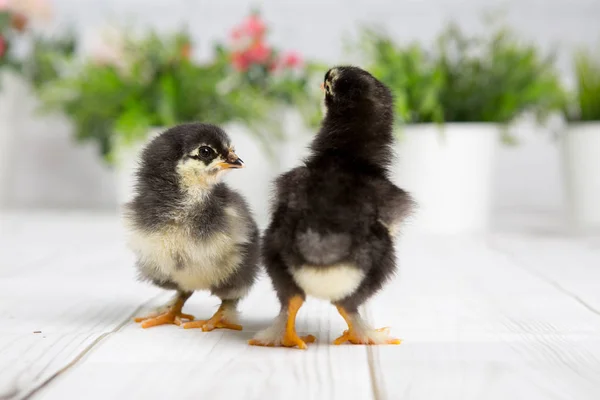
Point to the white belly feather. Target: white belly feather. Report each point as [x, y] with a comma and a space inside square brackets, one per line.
[331, 283]
[191, 263]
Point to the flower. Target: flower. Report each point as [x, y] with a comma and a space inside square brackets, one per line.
[258, 53]
[35, 9]
[110, 50]
[186, 51]
[240, 61]
[254, 26]
[19, 22]
[236, 33]
[292, 59]
[2, 46]
[3, 4]
[249, 31]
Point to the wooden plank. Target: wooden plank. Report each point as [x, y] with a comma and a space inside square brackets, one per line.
[167, 361]
[75, 285]
[478, 322]
[570, 264]
[476, 326]
[65, 282]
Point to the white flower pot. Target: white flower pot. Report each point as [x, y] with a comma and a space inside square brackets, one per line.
[448, 170]
[581, 154]
[126, 159]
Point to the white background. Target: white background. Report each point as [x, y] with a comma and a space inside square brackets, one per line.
[49, 171]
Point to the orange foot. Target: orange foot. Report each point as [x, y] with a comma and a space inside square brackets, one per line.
[173, 315]
[283, 331]
[288, 340]
[217, 321]
[170, 317]
[373, 336]
[359, 332]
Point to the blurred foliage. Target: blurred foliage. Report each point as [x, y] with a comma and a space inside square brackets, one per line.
[150, 82]
[492, 78]
[495, 78]
[586, 99]
[135, 83]
[47, 57]
[411, 73]
[12, 26]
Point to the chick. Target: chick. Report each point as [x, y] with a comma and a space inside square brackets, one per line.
[331, 235]
[188, 230]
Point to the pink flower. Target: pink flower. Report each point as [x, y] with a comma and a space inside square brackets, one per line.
[3, 4]
[258, 53]
[109, 49]
[254, 26]
[236, 34]
[2, 46]
[36, 9]
[292, 59]
[240, 61]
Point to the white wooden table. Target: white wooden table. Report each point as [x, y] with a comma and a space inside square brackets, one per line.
[503, 316]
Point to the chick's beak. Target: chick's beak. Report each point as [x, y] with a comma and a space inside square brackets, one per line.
[322, 86]
[233, 161]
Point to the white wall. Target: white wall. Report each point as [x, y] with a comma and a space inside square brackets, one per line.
[48, 170]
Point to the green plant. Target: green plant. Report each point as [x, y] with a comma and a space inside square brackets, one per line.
[47, 56]
[142, 83]
[411, 74]
[464, 78]
[495, 78]
[587, 94]
[12, 26]
[17, 18]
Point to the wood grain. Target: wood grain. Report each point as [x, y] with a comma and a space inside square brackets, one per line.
[494, 317]
[478, 326]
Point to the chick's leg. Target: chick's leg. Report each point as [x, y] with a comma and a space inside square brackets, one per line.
[224, 318]
[283, 331]
[173, 314]
[359, 332]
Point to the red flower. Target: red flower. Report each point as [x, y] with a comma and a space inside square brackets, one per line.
[240, 61]
[292, 59]
[2, 46]
[254, 26]
[258, 53]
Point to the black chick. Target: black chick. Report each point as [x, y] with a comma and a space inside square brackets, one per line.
[332, 229]
[190, 231]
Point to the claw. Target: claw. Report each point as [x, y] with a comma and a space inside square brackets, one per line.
[283, 331]
[359, 332]
[211, 324]
[286, 341]
[172, 316]
[218, 321]
[168, 318]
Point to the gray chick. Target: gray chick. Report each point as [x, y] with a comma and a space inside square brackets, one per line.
[190, 231]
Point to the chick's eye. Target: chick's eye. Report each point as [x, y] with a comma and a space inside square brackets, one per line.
[205, 152]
